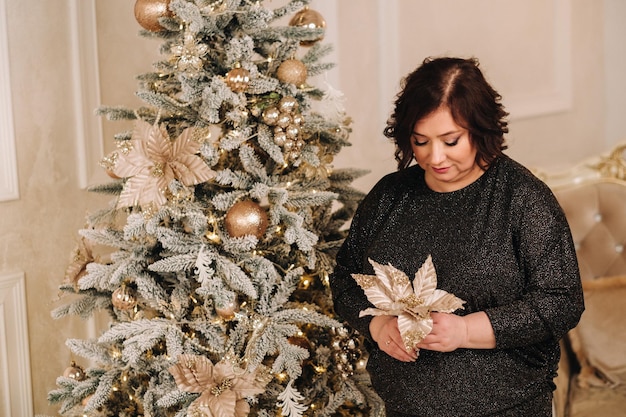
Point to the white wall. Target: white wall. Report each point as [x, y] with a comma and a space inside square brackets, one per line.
[615, 70]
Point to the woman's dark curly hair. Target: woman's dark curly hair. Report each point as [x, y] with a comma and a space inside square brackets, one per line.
[459, 85]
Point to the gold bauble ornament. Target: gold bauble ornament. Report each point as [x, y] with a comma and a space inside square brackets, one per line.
[292, 71]
[289, 144]
[280, 138]
[74, 371]
[284, 120]
[227, 311]
[246, 218]
[310, 19]
[124, 298]
[292, 131]
[238, 79]
[288, 104]
[270, 116]
[148, 13]
[297, 119]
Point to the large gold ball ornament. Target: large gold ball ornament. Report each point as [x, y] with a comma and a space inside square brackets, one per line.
[238, 79]
[124, 298]
[74, 371]
[310, 19]
[148, 13]
[292, 71]
[246, 218]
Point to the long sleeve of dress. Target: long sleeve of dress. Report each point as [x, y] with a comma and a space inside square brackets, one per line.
[552, 303]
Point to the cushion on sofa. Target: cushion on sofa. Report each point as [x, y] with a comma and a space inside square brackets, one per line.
[596, 214]
[597, 402]
[599, 340]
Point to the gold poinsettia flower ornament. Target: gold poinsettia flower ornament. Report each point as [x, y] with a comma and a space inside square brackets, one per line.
[392, 294]
[223, 387]
[82, 256]
[151, 160]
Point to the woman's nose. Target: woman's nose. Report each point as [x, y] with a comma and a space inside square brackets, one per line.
[437, 154]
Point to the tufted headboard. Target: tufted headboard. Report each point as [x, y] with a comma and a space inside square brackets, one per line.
[596, 212]
[593, 197]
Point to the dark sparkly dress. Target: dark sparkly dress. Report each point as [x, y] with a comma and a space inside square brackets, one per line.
[503, 245]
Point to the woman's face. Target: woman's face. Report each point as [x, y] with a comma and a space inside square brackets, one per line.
[444, 151]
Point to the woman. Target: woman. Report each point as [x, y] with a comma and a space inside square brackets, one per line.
[498, 240]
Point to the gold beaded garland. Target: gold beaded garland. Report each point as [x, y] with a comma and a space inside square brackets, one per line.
[148, 13]
[292, 71]
[246, 218]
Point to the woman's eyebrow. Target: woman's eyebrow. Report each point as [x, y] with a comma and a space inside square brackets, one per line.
[452, 132]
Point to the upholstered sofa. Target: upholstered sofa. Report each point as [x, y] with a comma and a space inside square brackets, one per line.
[591, 381]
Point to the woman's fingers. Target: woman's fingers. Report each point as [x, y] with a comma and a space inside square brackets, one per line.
[385, 331]
[396, 349]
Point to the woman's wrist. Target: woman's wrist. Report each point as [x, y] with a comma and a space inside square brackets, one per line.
[478, 331]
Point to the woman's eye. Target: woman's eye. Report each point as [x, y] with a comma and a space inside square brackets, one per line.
[418, 143]
[453, 142]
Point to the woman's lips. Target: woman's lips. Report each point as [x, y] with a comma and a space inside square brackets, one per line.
[440, 170]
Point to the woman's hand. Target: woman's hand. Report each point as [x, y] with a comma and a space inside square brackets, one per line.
[451, 332]
[384, 331]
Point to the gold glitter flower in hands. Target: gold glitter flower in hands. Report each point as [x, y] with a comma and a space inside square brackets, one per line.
[152, 160]
[392, 294]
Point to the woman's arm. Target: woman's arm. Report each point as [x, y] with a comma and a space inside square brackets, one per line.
[552, 301]
[451, 332]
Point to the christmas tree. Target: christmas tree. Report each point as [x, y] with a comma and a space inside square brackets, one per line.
[214, 255]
